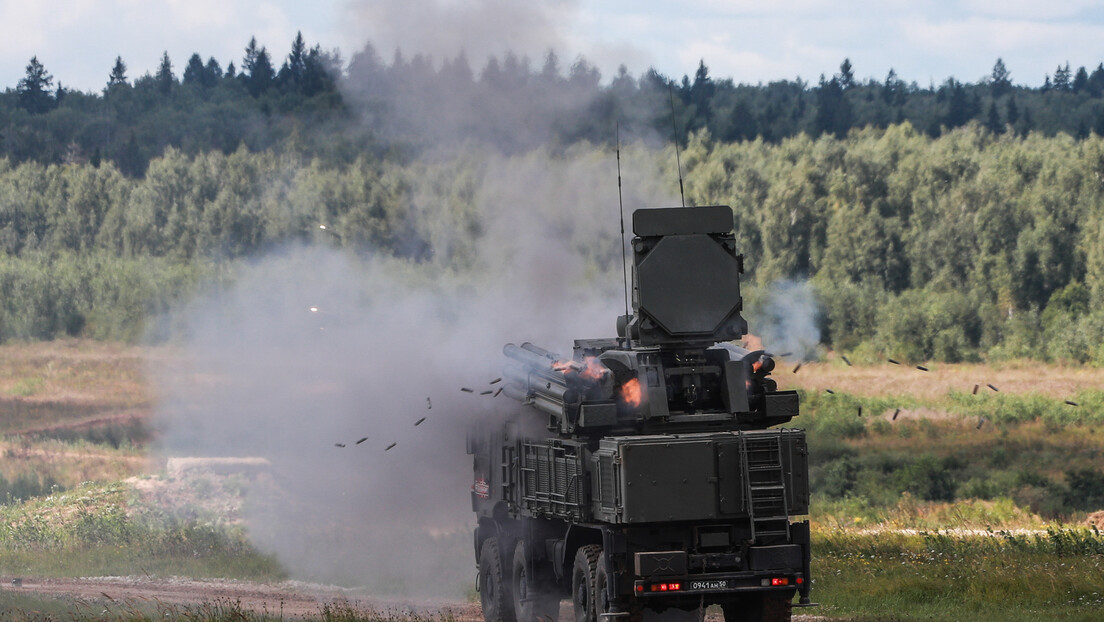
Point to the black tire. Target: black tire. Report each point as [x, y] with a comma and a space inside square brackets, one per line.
[534, 599]
[494, 589]
[761, 608]
[601, 592]
[583, 582]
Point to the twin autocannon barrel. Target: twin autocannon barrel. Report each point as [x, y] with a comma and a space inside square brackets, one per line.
[553, 385]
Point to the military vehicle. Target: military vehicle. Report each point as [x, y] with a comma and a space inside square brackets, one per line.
[642, 477]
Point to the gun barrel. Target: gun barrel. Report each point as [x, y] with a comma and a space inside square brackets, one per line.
[537, 360]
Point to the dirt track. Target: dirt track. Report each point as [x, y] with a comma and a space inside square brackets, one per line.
[289, 598]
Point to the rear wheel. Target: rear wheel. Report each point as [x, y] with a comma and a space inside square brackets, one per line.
[494, 590]
[583, 582]
[601, 592]
[534, 598]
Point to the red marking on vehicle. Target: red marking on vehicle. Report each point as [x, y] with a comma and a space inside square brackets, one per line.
[482, 488]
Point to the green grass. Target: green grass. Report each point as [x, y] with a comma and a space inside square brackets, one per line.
[997, 577]
[1040, 452]
[89, 531]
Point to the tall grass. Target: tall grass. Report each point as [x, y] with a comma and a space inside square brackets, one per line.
[999, 576]
[88, 531]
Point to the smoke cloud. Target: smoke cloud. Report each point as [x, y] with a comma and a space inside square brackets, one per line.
[311, 348]
[784, 316]
[480, 28]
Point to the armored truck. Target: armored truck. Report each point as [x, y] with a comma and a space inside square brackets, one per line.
[645, 476]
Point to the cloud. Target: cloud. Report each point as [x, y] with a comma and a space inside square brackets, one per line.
[78, 41]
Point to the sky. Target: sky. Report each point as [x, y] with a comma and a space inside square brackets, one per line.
[750, 41]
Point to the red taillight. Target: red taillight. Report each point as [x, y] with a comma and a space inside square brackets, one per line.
[800, 580]
[639, 587]
[665, 587]
[777, 581]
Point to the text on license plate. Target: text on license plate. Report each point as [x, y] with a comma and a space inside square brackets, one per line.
[708, 585]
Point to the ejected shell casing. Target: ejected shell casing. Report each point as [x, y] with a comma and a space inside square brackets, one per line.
[845, 360]
[895, 413]
[419, 422]
[797, 367]
[362, 440]
[921, 368]
[860, 410]
[390, 446]
[893, 361]
[981, 422]
[829, 391]
[495, 381]
[1071, 403]
[467, 390]
[992, 387]
[975, 389]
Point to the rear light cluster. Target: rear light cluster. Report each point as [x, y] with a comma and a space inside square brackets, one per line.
[781, 581]
[658, 587]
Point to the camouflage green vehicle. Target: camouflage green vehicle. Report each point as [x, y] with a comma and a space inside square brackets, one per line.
[644, 477]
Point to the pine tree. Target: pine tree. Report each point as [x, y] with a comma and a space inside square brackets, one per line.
[118, 74]
[846, 75]
[297, 62]
[193, 73]
[212, 72]
[1000, 81]
[1080, 80]
[165, 78]
[34, 89]
[1062, 78]
[257, 69]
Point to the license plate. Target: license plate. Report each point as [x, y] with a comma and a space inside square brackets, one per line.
[708, 585]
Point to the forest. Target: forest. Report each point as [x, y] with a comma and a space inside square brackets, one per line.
[957, 222]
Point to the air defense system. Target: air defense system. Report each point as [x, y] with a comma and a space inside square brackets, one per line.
[642, 477]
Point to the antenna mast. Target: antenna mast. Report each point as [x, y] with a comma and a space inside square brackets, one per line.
[621, 210]
[674, 134]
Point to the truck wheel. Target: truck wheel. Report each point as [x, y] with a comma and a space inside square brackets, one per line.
[762, 608]
[494, 590]
[601, 593]
[534, 601]
[583, 582]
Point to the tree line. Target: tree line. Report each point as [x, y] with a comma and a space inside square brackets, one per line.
[969, 246]
[322, 106]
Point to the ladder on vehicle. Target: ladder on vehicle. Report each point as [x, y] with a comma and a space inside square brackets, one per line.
[765, 485]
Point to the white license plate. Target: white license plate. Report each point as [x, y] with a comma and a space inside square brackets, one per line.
[708, 585]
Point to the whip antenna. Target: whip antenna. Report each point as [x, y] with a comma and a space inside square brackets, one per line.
[674, 134]
[621, 210]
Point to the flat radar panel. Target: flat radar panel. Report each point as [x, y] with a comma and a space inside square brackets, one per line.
[688, 284]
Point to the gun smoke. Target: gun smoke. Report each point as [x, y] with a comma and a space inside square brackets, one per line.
[310, 347]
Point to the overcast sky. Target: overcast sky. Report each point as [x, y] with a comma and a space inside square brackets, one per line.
[748, 40]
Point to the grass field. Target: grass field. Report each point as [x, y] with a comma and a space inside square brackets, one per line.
[931, 501]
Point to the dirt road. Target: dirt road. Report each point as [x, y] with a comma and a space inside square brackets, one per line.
[289, 598]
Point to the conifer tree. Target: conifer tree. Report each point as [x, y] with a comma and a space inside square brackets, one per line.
[34, 89]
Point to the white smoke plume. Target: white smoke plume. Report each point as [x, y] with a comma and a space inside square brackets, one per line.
[480, 28]
[312, 348]
[784, 317]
